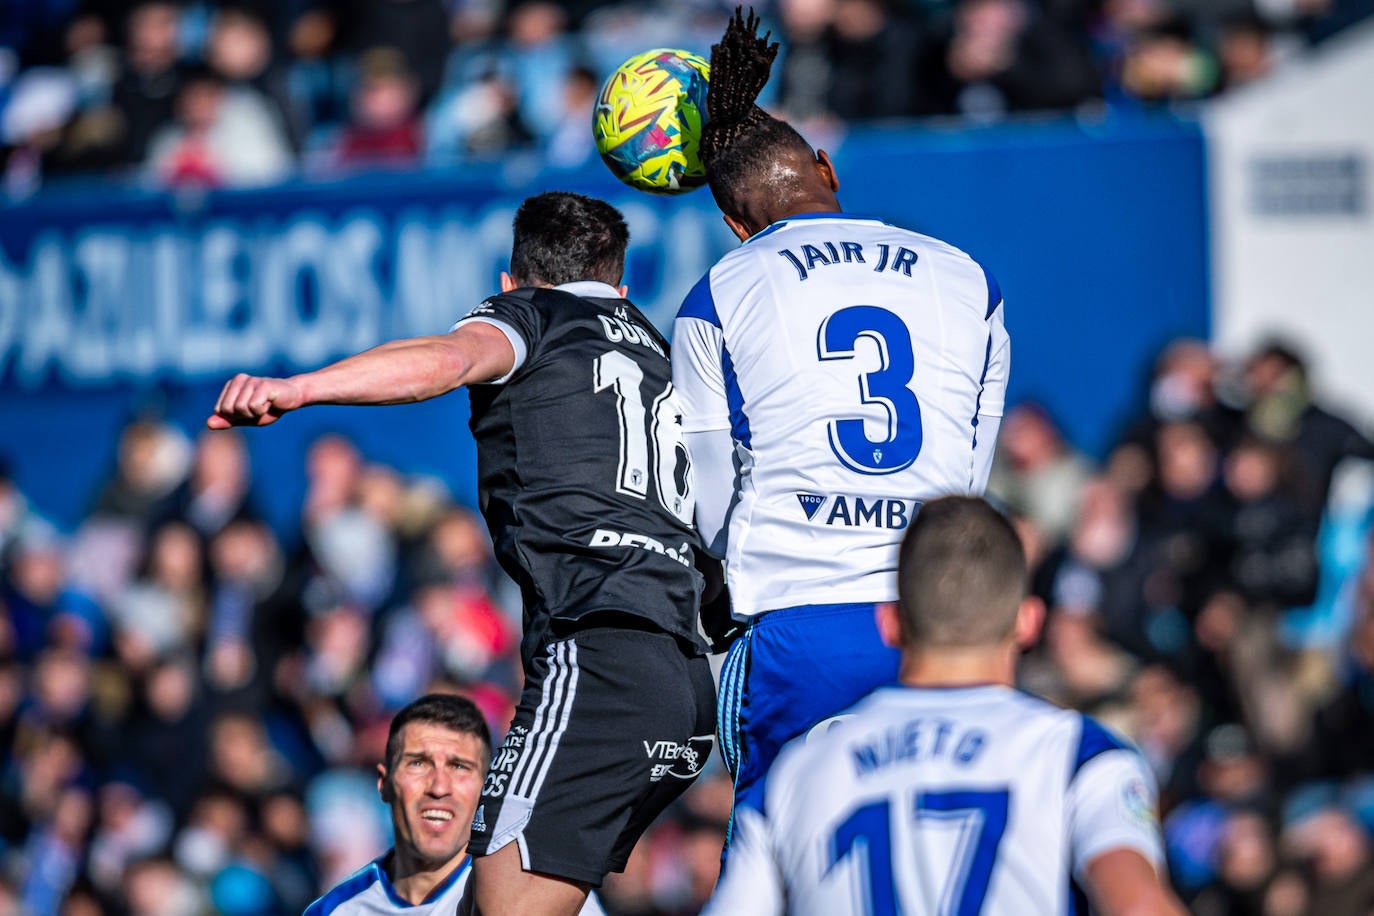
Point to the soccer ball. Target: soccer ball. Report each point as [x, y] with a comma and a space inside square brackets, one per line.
[647, 124]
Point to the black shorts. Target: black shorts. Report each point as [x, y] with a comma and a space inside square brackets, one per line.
[613, 724]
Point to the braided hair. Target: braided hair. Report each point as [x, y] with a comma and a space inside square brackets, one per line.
[741, 144]
[740, 65]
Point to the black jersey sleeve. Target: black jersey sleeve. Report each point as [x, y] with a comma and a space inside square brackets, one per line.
[517, 311]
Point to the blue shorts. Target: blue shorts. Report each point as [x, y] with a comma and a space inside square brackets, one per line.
[789, 671]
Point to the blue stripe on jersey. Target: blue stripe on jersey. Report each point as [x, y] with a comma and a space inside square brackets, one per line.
[1093, 741]
[699, 302]
[445, 884]
[1078, 901]
[978, 402]
[345, 891]
[994, 293]
[734, 398]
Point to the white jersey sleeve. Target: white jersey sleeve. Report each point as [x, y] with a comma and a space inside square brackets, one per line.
[699, 383]
[751, 882]
[1111, 805]
[698, 373]
[992, 397]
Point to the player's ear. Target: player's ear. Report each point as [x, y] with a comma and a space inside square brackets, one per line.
[889, 621]
[827, 169]
[738, 228]
[1030, 619]
[508, 282]
[383, 787]
[623, 290]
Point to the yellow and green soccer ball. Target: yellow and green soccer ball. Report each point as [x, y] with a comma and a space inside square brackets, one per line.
[648, 121]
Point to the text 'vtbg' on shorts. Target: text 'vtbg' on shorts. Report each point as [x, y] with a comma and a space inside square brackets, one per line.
[613, 725]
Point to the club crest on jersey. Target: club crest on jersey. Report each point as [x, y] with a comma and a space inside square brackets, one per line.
[846, 511]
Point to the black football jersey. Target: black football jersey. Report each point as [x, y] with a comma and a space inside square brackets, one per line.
[582, 475]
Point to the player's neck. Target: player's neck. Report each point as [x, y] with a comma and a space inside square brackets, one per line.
[414, 879]
[958, 667]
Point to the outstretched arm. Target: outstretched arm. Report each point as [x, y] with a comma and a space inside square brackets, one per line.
[399, 372]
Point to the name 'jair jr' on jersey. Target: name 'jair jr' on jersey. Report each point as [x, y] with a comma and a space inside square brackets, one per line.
[861, 369]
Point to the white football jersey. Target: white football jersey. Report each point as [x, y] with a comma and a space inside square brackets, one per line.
[369, 892]
[939, 802]
[852, 362]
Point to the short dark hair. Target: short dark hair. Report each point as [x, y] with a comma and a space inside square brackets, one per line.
[448, 710]
[961, 575]
[561, 237]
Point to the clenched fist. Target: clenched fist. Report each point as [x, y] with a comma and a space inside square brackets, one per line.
[249, 400]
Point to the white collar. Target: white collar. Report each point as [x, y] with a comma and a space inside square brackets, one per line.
[590, 289]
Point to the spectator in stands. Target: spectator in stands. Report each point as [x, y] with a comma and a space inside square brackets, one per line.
[216, 491]
[1039, 475]
[803, 70]
[146, 91]
[1183, 387]
[1340, 868]
[1166, 63]
[239, 49]
[871, 52]
[150, 464]
[256, 612]
[165, 737]
[1272, 542]
[417, 31]
[1282, 409]
[385, 127]
[1245, 50]
[477, 121]
[568, 142]
[1342, 744]
[224, 136]
[1003, 56]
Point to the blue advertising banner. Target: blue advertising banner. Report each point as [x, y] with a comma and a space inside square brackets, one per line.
[114, 301]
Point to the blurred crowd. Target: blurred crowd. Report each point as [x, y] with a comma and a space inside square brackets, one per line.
[193, 702]
[1205, 600]
[210, 93]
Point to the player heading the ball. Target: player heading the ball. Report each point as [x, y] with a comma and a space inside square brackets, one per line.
[834, 372]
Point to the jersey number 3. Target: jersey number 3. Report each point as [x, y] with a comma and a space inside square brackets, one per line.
[889, 386]
[672, 470]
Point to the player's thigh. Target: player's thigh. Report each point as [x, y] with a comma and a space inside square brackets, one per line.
[614, 716]
[501, 887]
[676, 765]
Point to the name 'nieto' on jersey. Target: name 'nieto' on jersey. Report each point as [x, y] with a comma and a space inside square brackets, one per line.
[964, 800]
[851, 361]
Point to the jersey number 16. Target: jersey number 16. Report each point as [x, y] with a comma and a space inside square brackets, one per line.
[655, 428]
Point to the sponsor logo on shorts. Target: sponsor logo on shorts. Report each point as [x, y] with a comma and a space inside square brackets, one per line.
[604, 538]
[677, 759]
[503, 764]
[479, 820]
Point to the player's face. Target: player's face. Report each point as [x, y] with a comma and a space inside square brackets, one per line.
[432, 789]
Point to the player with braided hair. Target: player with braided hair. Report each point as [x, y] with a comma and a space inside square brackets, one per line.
[834, 373]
